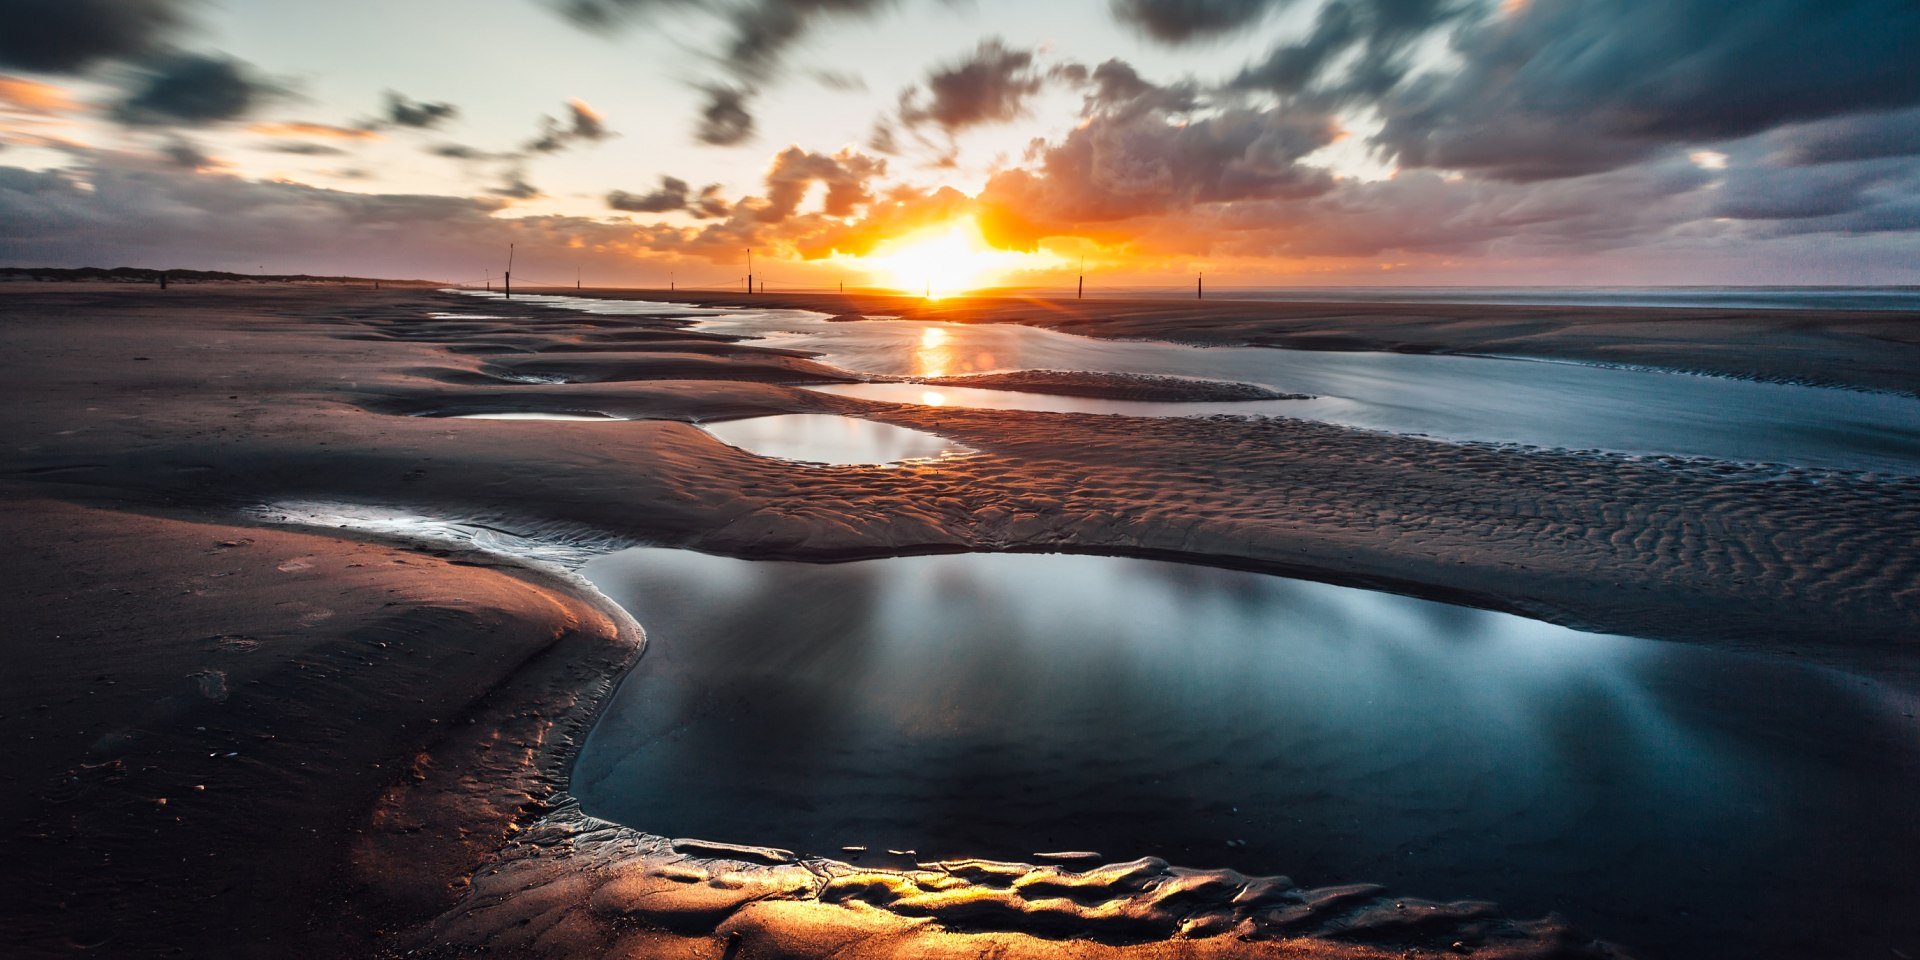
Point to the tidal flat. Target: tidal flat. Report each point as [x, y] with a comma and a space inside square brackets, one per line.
[354, 622]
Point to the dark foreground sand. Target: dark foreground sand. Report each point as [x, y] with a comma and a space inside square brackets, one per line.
[361, 746]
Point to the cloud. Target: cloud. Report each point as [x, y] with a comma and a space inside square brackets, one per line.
[1182, 21]
[460, 151]
[183, 153]
[840, 81]
[193, 90]
[582, 123]
[989, 86]
[725, 120]
[69, 36]
[32, 96]
[109, 213]
[587, 124]
[1853, 137]
[516, 187]
[305, 148]
[1560, 88]
[1129, 161]
[317, 131]
[420, 114]
[673, 195]
[757, 37]
[847, 175]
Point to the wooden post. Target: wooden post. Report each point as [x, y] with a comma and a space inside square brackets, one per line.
[749, 271]
[509, 277]
[1200, 287]
[163, 279]
[1081, 293]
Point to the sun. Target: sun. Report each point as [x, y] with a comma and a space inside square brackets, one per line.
[946, 259]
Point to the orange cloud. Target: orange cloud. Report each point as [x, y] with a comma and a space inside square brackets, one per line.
[322, 131]
[32, 96]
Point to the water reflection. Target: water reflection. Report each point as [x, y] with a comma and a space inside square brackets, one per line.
[1557, 405]
[979, 398]
[1005, 705]
[828, 439]
[537, 415]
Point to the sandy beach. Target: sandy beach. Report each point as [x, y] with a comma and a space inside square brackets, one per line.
[244, 734]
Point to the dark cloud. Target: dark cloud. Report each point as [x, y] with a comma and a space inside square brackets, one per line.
[1560, 88]
[989, 86]
[1356, 49]
[709, 204]
[672, 195]
[185, 154]
[1768, 191]
[460, 151]
[304, 148]
[582, 123]
[1181, 21]
[516, 187]
[1856, 137]
[725, 120]
[67, 36]
[1116, 87]
[406, 112]
[1134, 163]
[192, 90]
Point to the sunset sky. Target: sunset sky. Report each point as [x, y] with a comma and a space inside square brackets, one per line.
[1266, 142]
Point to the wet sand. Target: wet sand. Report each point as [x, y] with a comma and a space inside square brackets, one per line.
[142, 427]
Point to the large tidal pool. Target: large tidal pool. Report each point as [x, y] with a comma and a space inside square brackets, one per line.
[1682, 800]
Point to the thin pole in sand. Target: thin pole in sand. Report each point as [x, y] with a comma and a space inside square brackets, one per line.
[669, 281]
[576, 278]
[163, 279]
[1200, 287]
[749, 271]
[509, 271]
[1081, 294]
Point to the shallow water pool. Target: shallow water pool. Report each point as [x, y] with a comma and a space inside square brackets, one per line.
[832, 440]
[1681, 800]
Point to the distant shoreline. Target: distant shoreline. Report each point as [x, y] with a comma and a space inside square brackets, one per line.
[153, 275]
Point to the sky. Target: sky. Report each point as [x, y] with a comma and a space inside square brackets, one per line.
[946, 144]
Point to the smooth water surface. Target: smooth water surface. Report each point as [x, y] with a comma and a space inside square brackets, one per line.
[1546, 404]
[978, 398]
[1682, 800]
[827, 439]
[537, 415]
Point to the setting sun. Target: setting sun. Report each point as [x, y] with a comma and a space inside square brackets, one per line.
[947, 259]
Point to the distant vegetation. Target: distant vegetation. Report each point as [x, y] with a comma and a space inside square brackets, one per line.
[144, 275]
